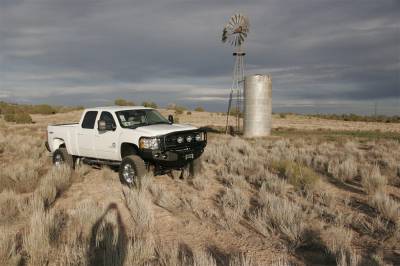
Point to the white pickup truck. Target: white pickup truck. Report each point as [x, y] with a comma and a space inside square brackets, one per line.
[136, 139]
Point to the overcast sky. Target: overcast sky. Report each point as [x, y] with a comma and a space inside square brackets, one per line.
[323, 55]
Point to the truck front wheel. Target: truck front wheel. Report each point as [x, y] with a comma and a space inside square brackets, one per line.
[61, 157]
[131, 170]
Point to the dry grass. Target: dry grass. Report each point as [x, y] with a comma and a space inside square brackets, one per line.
[9, 206]
[164, 198]
[233, 204]
[372, 180]
[53, 184]
[300, 176]
[39, 232]
[8, 248]
[140, 208]
[279, 215]
[94, 223]
[338, 243]
[387, 207]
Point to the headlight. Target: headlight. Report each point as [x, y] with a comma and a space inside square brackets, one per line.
[149, 143]
[199, 136]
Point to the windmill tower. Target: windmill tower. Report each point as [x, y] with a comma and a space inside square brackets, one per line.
[235, 33]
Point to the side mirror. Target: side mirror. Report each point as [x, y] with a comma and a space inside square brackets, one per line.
[101, 125]
[171, 119]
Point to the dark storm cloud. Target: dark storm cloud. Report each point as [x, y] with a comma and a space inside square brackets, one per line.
[314, 50]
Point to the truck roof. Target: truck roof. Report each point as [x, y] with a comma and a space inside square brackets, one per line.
[116, 108]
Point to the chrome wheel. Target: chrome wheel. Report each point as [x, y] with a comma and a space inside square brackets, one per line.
[58, 160]
[128, 173]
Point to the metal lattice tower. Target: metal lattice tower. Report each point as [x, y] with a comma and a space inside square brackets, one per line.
[235, 33]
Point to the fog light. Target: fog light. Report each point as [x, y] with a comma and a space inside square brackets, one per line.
[179, 139]
[189, 138]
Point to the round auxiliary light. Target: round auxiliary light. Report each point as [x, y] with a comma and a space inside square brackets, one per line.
[179, 139]
[198, 137]
[189, 138]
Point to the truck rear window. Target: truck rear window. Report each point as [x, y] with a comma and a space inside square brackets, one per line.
[89, 119]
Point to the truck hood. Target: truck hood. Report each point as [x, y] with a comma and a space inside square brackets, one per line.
[162, 129]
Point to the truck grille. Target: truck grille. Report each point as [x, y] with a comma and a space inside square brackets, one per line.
[171, 140]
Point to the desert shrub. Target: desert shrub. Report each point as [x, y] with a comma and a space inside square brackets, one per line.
[9, 205]
[241, 259]
[198, 183]
[140, 208]
[39, 231]
[150, 104]
[233, 203]
[372, 180]
[179, 109]
[188, 113]
[342, 170]
[53, 184]
[279, 215]
[42, 109]
[387, 207]
[338, 243]
[19, 118]
[21, 177]
[203, 258]
[275, 185]
[164, 198]
[8, 247]
[140, 250]
[282, 115]
[300, 176]
[199, 109]
[347, 170]
[83, 216]
[123, 102]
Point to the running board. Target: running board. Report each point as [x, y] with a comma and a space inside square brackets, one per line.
[98, 161]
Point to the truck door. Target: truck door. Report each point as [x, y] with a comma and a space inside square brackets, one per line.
[105, 142]
[86, 135]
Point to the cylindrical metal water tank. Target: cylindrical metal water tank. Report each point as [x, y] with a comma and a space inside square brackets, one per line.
[257, 105]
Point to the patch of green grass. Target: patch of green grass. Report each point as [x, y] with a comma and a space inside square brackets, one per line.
[300, 176]
[335, 135]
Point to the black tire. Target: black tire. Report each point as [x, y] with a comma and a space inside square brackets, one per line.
[135, 163]
[61, 157]
[195, 167]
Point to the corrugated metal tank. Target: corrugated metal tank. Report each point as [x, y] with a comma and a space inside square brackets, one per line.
[257, 105]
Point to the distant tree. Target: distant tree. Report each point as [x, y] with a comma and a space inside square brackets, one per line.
[150, 104]
[123, 102]
[179, 109]
[199, 109]
[19, 118]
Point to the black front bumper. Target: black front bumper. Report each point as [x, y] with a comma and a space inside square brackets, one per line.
[173, 157]
[172, 154]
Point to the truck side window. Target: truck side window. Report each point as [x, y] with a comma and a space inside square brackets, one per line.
[106, 116]
[89, 120]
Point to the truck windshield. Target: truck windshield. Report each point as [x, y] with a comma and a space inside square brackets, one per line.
[139, 118]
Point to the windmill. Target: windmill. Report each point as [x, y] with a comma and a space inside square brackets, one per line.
[235, 33]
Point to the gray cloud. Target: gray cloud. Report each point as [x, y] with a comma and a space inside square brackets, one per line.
[74, 51]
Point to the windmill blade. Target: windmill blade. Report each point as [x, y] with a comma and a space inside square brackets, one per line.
[235, 32]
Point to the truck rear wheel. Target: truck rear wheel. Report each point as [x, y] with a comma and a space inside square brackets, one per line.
[132, 170]
[61, 157]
